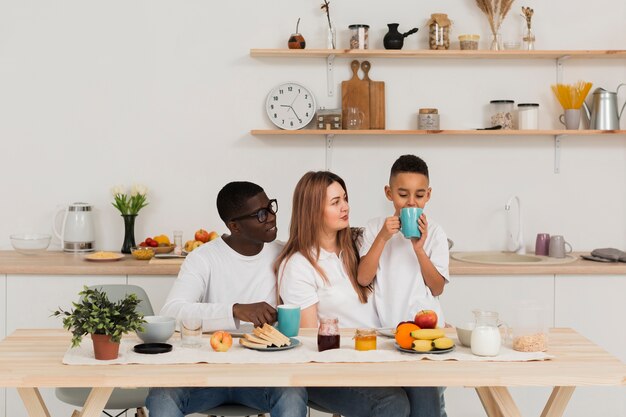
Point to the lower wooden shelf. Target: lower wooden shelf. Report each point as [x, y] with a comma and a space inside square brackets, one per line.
[318, 132]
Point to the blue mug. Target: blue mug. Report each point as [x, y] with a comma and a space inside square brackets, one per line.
[408, 222]
[288, 319]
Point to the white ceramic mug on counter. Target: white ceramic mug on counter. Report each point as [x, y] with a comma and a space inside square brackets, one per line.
[557, 247]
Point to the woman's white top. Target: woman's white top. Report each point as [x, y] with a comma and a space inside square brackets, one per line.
[300, 284]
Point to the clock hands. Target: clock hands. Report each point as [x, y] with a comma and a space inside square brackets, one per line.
[294, 112]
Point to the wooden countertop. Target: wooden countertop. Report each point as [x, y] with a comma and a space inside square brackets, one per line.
[59, 263]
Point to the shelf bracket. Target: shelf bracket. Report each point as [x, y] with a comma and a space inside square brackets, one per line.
[557, 153]
[559, 68]
[330, 76]
[329, 152]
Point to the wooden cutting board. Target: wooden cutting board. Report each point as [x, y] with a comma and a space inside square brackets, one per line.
[166, 261]
[377, 98]
[355, 93]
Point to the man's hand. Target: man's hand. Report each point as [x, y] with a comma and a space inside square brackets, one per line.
[390, 228]
[256, 313]
[418, 244]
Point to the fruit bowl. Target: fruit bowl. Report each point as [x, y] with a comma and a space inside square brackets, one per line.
[142, 254]
[30, 244]
[160, 249]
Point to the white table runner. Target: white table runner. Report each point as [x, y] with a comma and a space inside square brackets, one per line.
[306, 352]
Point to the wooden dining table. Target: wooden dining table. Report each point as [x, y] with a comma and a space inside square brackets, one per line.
[31, 359]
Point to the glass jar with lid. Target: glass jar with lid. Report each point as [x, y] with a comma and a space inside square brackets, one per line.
[502, 113]
[359, 36]
[328, 336]
[528, 116]
[365, 339]
[439, 31]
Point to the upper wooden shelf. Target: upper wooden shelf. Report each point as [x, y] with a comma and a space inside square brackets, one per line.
[426, 53]
[312, 132]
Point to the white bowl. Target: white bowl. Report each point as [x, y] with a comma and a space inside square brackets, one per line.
[158, 329]
[30, 244]
[465, 334]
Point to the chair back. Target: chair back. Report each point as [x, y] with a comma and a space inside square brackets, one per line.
[117, 292]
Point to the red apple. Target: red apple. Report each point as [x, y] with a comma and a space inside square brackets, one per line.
[202, 235]
[221, 341]
[426, 319]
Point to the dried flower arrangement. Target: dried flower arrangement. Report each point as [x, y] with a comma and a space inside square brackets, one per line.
[496, 11]
[529, 37]
[527, 13]
[326, 8]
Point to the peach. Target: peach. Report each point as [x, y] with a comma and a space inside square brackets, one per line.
[213, 235]
[221, 341]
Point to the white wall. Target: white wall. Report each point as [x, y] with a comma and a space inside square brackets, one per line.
[165, 93]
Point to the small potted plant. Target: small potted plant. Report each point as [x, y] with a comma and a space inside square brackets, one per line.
[104, 320]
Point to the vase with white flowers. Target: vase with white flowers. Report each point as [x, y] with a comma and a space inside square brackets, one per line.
[129, 205]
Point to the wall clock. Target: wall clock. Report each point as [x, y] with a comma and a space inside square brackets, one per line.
[290, 106]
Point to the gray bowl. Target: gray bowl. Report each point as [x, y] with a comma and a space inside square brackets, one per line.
[465, 334]
[158, 329]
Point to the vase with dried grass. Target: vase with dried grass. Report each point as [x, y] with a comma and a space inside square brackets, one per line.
[496, 11]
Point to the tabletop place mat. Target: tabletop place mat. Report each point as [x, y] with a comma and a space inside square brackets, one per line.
[307, 352]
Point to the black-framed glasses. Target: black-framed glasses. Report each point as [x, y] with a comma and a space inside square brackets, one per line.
[262, 213]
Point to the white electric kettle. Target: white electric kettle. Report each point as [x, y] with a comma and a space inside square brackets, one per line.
[77, 232]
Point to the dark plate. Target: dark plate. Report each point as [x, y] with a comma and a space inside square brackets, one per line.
[152, 348]
[435, 352]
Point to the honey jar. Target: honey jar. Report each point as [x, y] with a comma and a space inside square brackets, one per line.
[365, 339]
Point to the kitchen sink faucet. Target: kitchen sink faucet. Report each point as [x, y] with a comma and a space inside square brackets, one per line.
[516, 244]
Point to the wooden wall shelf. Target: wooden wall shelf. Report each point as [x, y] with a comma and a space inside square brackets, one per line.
[426, 53]
[315, 132]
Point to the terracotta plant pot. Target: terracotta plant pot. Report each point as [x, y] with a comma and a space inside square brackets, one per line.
[103, 348]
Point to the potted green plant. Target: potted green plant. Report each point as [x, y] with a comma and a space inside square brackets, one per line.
[104, 320]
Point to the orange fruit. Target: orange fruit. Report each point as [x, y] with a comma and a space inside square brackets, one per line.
[403, 334]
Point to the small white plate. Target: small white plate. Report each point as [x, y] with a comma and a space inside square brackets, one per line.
[387, 332]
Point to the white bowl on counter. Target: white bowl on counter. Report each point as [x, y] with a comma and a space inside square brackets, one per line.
[30, 243]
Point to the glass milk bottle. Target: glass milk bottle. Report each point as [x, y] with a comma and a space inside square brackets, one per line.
[486, 339]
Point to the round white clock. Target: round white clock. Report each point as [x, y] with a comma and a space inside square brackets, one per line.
[290, 106]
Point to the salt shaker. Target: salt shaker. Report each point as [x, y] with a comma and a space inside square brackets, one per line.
[178, 242]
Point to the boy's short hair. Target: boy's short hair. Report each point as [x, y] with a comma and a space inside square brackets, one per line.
[233, 196]
[409, 163]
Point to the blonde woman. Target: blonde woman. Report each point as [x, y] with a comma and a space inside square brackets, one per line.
[317, 270]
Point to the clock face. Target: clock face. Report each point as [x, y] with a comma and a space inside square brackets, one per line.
[290, 106]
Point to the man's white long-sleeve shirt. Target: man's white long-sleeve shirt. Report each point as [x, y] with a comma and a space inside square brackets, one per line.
[214, 277]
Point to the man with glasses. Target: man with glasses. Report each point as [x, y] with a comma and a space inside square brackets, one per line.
[226, 281]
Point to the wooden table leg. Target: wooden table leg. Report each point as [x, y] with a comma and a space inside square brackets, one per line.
[498, 402]
[96, 401]
[35, 407]
[555, 407]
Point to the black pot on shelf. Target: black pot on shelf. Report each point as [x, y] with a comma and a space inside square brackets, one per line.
[394, 39]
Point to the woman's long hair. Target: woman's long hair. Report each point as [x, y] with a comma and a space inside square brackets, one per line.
[307, 222]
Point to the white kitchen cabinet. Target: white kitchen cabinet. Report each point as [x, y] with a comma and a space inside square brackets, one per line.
[31, 299]
[595, 306]
[156, 286]
[465, 293]
[3, 333]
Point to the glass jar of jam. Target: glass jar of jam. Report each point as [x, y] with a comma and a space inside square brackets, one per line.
[328, 334]
[365, 339]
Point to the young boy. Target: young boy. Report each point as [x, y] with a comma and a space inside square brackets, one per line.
[408, 274]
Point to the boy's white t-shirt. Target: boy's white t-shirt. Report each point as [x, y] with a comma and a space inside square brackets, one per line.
[300, 284]
[399, 288]
[214, 277]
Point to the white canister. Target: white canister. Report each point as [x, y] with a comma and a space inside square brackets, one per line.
[428, 119]
[528, 116]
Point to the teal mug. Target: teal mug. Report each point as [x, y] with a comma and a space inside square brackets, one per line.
[288, 319]
[408, 222]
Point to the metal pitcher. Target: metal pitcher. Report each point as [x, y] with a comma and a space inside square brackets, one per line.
[603, 114]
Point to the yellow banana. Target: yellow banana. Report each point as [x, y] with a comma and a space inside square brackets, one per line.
[427, 334]
[422, 345]
[443, 343]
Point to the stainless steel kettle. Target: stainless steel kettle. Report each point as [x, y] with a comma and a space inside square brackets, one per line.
[603, 114]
